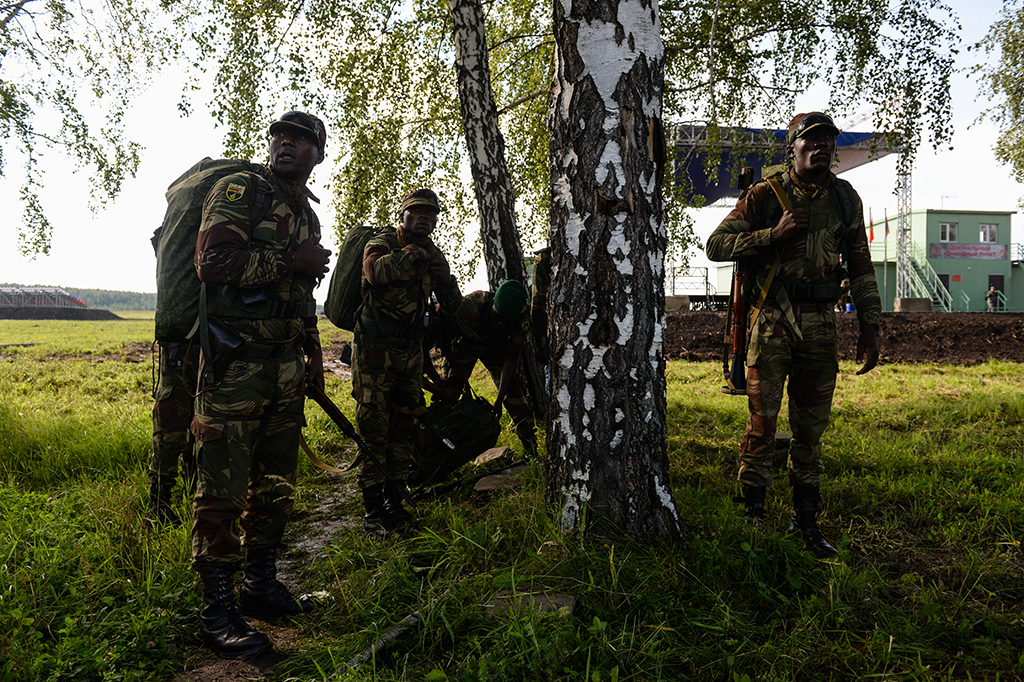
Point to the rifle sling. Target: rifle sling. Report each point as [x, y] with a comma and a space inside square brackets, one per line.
[316, 461]
[780, 194]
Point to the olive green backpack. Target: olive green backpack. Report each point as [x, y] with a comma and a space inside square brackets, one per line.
[177, 284]
[345, 292]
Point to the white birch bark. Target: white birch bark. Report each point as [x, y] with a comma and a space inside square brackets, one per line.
[607, 460]
[492, 182]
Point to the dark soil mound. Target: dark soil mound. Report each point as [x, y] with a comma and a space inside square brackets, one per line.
[39, 313]
[945, 338]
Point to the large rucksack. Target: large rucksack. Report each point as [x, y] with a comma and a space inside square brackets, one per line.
[177, 284]
[469, 424]
[345, 293]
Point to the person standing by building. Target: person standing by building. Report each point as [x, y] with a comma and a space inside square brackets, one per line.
[794, 229]
[259, 282]
[991, 298]
[402, 269]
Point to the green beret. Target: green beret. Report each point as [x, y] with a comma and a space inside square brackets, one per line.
[510, 298]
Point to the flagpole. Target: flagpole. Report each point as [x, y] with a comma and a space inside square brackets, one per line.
[885, 260]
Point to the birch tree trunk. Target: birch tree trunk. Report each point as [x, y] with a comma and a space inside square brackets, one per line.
[492, 183]
[495, 196]
[607, 459]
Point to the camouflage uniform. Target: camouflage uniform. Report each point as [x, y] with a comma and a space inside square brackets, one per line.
[539, 301]
[795, 333]
[388, 349]
[477, 336]
[172, 413]
[249, 423]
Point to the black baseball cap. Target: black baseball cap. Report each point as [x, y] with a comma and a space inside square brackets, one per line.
[301, 122]
[804, 123]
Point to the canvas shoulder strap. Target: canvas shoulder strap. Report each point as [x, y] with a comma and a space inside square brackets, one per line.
[783, 197]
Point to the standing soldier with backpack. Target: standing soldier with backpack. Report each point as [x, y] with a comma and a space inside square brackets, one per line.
[260, 318]
[401, 269]
[793, 228]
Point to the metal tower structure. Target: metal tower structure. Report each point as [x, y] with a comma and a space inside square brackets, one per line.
[904, 265]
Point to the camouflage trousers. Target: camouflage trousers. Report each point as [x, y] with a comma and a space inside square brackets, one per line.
[811, 363]
[178, 369]
[459, 368]
[390, 434]
[248, 429]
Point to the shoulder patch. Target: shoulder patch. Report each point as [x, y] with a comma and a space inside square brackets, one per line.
[526, 325]
[234, 191]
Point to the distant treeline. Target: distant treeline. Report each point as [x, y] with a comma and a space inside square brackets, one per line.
[106, 300]
[115, 300]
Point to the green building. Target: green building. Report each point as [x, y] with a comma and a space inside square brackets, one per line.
[955, 257]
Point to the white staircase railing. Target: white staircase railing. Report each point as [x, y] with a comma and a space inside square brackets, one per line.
[932, 286]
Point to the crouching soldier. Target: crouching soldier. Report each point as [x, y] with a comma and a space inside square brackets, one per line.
[492, 327]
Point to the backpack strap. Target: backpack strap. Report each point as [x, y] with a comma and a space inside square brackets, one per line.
[780, 295]
[783, 197]
[841, 198]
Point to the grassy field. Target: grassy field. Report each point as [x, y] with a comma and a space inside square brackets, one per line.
[923, 498]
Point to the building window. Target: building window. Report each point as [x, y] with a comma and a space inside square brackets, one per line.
[947, 232]
[989, 234]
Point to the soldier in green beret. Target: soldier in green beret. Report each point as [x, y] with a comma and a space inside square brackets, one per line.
[492, 327]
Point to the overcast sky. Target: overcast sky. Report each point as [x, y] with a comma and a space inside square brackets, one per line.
[111, 250]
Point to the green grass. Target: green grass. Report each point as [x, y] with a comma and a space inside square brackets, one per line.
[58, 337]
[922, 495]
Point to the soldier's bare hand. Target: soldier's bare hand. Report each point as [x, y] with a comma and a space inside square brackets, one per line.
[311, 259]
[868, 341]
[315, 368]
[792, 221]
[439, 268]
[418, 251]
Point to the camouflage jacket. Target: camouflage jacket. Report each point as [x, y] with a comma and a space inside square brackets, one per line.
[813, 256]
[397, 285]
[478, 329]
[256, 263]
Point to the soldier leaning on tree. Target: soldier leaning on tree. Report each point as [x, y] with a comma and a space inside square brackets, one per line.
[793, 227]
[259, 280]
[401, 270]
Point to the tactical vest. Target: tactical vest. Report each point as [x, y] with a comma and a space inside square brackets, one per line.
[263, 303]
[817, 275]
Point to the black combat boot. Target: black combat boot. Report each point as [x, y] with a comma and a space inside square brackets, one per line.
[394, 509]
[378, 521]
[805, 521]
[262, 594]
[161, 511]
[221, 626]
[753, 504]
